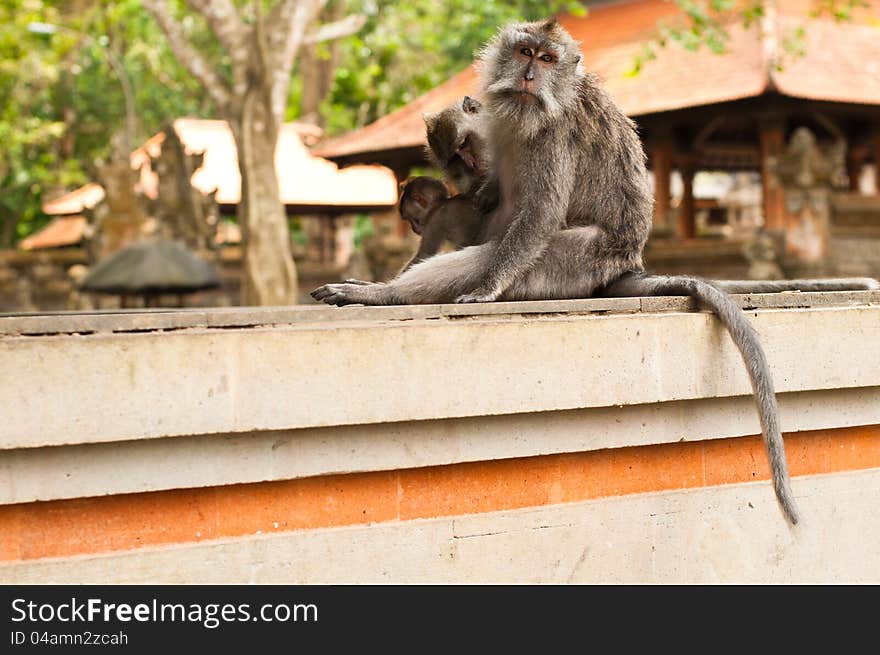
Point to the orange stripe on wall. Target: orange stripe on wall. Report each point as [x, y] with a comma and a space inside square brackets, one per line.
[129, 521]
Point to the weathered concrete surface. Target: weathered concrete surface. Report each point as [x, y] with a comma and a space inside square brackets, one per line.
[728, 534]
[50, 473]
[137, 320]
[68, 389]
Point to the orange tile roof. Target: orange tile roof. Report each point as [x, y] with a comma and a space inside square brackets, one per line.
[305, 180]
[61, 231]
[75, 201]
[842, 63]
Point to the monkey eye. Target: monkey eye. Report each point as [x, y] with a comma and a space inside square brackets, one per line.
[527, 52]
[547, 58]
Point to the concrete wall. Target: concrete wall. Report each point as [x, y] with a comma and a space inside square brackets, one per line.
[573, 441]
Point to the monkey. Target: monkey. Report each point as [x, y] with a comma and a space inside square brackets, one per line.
[455, 143]
[425, 204]
[572, 210]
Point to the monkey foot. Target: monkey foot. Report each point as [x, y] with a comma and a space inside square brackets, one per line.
[477, 296]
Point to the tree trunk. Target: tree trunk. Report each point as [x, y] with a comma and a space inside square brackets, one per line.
[269, 275]
[7, 231]
[317, 72]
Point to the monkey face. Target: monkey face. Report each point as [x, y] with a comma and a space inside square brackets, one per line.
[450, 134]
[530, 68]
[419, 199]
[533, 59]
[454, 142]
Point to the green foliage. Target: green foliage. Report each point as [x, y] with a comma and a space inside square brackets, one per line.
[63, 101]
[28, 127]
[839, 10]
[363, 229]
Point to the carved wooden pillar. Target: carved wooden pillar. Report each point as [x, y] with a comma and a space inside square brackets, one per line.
[772, 142]
[661, 166]
[876, 143]
[686, 222]
[328, 240]
[855, 158]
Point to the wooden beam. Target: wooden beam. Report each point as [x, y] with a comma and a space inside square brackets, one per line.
[686, 221]
[855, 159]
[661, 165]
[875, 140]
[772, 142]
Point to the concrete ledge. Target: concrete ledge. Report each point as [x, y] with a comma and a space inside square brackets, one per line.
[136, 320]
[72, 389]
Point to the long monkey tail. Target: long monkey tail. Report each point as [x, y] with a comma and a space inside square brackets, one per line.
[775, 286]
[746, 340]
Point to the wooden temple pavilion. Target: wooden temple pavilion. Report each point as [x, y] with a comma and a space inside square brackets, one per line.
[697, 111]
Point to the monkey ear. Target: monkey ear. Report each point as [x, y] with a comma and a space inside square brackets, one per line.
[420, 199]
[471, 105]
[401, 186]
[429, 118]
[550, 24]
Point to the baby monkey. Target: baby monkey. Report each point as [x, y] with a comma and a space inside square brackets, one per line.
[426, 205]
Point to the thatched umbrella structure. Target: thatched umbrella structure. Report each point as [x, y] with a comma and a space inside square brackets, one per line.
[151, 268]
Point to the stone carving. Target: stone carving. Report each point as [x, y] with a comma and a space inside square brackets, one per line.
[807, 172]
[121, 217]
[761, 252]
[183, 212]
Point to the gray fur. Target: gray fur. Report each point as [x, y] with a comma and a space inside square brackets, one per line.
[775, 286]
[567, 157]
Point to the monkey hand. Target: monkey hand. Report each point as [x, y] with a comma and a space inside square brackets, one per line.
[488, 196]
[343, 294]
[478, 295]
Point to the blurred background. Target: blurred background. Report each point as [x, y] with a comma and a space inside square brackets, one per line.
[194, 153]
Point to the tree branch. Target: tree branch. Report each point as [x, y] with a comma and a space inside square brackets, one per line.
[289, 20]
[223, 20]
[187, 54]
[337, 29]
[231, 32]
